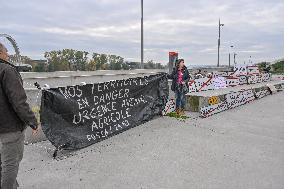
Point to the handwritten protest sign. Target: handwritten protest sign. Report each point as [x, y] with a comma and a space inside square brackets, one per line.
[77, 116]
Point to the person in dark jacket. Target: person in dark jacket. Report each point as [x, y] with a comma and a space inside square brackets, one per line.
[15, 116]
[180, 78]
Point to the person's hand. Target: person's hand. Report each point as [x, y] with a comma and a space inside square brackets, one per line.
[183, 82]
[34, 128]
[35, 131]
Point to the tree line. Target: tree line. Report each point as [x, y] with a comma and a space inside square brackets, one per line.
[276, 68]
[73, 60]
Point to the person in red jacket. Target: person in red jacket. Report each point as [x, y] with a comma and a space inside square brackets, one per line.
[15, 116]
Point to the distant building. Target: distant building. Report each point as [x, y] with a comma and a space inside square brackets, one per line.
[23, 67]
[133, 65]
[38, 61]
[38, 65]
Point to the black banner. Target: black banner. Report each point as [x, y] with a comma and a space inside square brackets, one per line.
[75, 117]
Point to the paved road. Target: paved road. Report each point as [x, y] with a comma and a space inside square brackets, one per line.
[237, 149]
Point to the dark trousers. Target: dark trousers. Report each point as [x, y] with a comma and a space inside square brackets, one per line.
[11, 154]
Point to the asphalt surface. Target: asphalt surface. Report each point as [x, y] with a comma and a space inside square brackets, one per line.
[236, 149]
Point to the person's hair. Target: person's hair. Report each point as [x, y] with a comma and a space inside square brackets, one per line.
[4, 51]
[2, 48]
[179, 61]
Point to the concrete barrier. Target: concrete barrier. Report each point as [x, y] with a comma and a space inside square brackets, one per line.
[55, 79]
[208, 103]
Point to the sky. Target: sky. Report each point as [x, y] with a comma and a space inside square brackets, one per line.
[255, 28]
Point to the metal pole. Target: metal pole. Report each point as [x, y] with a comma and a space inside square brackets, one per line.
[142, 45]
[230, 54]
[235, 58]
[218, 44]
[229, 59]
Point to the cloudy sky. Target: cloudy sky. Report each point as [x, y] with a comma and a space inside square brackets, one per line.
[254, 27]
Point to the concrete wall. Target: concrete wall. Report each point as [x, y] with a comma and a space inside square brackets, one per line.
[55, 79]
[80, 73]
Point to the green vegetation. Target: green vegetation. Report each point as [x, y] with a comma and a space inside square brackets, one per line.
[278, 68]
[175, 115]
[39, 67]
[262, 65]
[73, 60]
[66, 59]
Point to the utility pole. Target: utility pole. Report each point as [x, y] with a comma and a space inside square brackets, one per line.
[142, 45]
[230, 55]
[219, 42]
[235, 58]
[229, 59]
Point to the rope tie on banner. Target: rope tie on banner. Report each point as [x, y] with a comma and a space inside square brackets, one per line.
[39, 88]
[37, 85]
[58, 149]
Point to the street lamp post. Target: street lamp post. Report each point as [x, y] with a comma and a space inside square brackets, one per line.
[219, 42]
[229, 59]
[230, 55]
[235, 58]
[142, 45]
